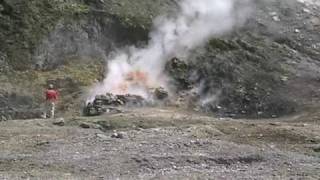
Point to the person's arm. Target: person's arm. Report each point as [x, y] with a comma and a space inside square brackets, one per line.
[57, 95]
[46, 95]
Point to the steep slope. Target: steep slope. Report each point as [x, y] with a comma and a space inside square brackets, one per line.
[268, 68]
[64, 42]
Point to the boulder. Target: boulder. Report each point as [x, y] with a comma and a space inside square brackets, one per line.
[179, 72]
[59, 122]
[85, 125]
[117, 135]
[161, 94]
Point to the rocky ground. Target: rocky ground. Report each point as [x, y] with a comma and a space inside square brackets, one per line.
[161, 143]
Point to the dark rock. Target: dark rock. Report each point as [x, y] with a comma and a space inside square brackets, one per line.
[18, 106]
[109, 103]
[161, 94]
[180, 72]
[274, 124]
[59, 122]
[131, 100]
[85, 125]
[316, 149]
[117, 135]
[43, 143]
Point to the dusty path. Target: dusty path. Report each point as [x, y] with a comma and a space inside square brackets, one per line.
[160, 144]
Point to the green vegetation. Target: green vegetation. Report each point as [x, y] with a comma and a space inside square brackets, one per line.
[23, 24]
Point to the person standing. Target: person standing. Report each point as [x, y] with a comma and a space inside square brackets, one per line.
[51, 95]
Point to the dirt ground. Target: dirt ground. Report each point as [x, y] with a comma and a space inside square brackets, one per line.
[161, 143]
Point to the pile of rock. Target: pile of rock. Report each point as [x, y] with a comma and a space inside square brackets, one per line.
[118, 100]
[160, 94]
[111, 103]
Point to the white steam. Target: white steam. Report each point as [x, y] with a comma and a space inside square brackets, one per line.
[193, 25]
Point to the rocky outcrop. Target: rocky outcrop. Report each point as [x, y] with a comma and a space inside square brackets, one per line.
[18, 106]
[44, 34]
[252, 72]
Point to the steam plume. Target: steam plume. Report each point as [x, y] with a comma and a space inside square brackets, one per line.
[195, 22]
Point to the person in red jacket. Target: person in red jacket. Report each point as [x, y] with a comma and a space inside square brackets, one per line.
[51, 98]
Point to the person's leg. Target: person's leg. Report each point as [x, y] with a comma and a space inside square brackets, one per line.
[52, 109]
[45, 110]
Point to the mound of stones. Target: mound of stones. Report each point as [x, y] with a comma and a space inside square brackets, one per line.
[111, 103]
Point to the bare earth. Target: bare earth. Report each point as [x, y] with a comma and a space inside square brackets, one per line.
[161, 144]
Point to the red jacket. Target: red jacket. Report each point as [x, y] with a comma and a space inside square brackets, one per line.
[52, 95]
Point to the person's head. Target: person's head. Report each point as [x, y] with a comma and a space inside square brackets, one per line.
[50, 86]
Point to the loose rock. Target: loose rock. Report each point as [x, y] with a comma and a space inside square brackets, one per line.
[59, 122]
[85, 125]
[117, 135]
[161, 94]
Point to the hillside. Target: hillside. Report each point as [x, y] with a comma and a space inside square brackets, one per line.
[269, 67]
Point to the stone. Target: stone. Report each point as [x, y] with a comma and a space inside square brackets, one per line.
[59, 122]
[306, 10]
[43, 143]
[273, 13]
[3, 118]
[274, 124]
[179, 71]
[102, 136]
[114, 110]
[160, 93]
[117, 135]
[316, 149]
[315, 21]
[85, 125]
[284, 78]
[275, 16]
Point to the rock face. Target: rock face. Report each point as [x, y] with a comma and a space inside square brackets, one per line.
[17, 106]
[49, 32]
[259, 70]
[179, 71]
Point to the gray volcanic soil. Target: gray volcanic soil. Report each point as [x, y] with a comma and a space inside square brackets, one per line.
[161, 144]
